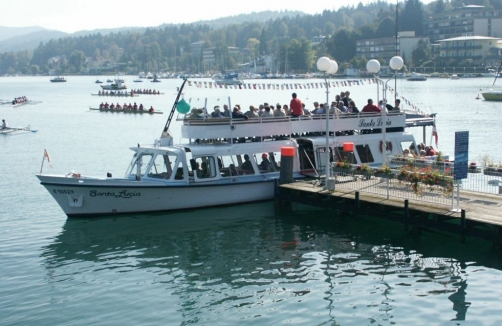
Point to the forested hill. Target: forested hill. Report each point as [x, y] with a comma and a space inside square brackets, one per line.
[286, 36]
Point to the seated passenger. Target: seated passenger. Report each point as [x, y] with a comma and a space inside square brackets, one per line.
[266, 165]
[151, 110]
[247, 166]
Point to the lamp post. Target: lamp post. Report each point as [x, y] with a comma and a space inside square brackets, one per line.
[329, 67]
[373, 66]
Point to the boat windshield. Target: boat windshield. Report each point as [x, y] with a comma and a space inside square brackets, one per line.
[153, 165]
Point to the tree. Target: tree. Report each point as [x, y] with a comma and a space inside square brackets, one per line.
[300, 55]
[35, 70]
[77, 59]
[253, 46]
[386, 28]
[421, 54]
[412, 17]
[342, 45]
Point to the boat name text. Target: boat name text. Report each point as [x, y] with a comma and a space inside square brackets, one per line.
[121, 194]
[63, 192]
[372, 123]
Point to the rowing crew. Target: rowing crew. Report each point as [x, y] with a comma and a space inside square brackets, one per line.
[126, 106]
[21, 99]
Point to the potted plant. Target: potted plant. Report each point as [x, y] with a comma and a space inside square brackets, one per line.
[384, 172]
[364, 170]
[343, 167]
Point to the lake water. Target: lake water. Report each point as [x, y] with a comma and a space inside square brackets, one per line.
[242, 265]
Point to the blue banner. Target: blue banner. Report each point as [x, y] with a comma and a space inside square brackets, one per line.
[461, 164]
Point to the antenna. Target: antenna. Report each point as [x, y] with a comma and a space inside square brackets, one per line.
[171, 114]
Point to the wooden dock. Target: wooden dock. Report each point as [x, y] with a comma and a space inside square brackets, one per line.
[480, 216]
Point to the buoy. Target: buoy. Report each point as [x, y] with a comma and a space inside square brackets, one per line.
[183, 107]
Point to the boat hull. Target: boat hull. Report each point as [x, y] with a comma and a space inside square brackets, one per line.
[492, 96]
[80, 197]
[127, 111]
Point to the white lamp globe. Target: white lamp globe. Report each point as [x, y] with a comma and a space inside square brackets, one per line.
[323, 64]
[396, 63]
[373, 66]
[333, 67]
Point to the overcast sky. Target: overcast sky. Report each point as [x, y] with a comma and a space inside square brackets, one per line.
[76, 15]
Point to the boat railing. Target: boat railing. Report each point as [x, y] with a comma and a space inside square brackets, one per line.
[213, 128]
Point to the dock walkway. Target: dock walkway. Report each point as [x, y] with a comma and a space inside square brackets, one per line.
[480, 216]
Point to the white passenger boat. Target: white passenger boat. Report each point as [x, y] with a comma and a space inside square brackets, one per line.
[117, 85]
[209, 164]
[415, 76]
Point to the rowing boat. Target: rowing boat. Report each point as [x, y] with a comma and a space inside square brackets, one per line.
[15, 130]
[126, 111]
[116, 94]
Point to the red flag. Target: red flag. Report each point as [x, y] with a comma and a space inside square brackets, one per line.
[435, 134]
[46, 156]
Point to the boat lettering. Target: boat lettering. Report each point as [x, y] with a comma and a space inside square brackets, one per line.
[121, 194]
[378, 123]
[63, 192]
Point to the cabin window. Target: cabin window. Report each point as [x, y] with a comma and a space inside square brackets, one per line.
[140, 164]
[163, 166]
[342, 155]
[229, 165]
[269, 162]
[205, 167]
[364, 153]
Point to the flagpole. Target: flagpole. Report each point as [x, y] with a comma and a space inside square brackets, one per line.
[43, 159]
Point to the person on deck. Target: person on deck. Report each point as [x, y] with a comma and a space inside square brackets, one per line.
[296, 106]
[371, 108]
[5, 125]
[266, 165]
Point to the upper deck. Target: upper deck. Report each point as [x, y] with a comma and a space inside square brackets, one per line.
[213, 128]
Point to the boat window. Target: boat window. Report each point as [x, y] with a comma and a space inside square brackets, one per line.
[205, 167]
[141, 163]
[163, 166]
[229, 165]
[364, 153]
[342, 155]
[269, 162]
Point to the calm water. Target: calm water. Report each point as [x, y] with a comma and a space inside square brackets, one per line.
[245, 265]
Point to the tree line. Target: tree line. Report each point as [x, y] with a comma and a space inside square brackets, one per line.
[288, 39]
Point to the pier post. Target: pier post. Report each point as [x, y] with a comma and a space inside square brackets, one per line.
[462, 225]
[406, 214]
[285, 176]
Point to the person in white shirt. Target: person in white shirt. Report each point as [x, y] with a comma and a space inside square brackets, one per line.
[4, 124]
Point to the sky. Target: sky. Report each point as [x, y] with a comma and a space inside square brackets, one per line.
[75, 15]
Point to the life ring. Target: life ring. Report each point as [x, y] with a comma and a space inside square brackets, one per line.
[389, 146]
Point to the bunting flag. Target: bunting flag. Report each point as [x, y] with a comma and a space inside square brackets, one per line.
[46, 156]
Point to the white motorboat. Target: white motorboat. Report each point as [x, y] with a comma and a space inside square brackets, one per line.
[415, 76]
[210, 163]
[117, 85]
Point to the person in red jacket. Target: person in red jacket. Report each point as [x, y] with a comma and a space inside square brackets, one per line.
[296, 106]
[371, 108]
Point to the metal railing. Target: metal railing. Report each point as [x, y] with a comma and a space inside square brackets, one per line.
[411, 178]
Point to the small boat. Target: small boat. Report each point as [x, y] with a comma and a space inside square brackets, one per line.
[229, 79]
[126, 111]
[117, 85]
[98, 81]
[15, 130]
[18, 101]
[109, 81]
[155, 79]
[224, 161]
[138, 81]
[58, 80]
[415, 76]
[494, 95]
[454, 76]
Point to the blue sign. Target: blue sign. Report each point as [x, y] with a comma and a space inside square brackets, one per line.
[461, 164]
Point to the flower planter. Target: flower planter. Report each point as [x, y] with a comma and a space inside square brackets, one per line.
[384, 175]
[342, 170]
[493, 172]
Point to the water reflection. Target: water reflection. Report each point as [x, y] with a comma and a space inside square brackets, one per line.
[235, 259]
